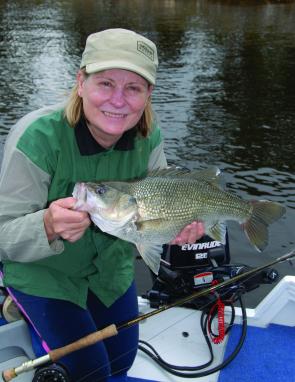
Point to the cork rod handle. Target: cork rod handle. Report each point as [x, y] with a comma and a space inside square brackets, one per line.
[56, 354]
[91, 339]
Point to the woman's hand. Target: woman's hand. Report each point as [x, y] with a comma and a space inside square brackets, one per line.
[61, 221]
[190, 234]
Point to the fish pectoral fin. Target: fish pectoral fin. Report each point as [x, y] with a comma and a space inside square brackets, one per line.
[218, 231]
[151, 254]
[151, 224]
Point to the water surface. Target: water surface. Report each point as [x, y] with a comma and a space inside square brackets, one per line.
[225, 93]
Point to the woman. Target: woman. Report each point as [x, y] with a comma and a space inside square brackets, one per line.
[68, 278]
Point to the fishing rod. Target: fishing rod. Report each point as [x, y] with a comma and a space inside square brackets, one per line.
[112, 330]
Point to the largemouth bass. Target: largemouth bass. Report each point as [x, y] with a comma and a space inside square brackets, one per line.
[151, 211]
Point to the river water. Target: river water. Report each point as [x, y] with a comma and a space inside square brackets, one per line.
[225, 94]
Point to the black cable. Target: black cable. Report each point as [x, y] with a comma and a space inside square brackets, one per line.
[172, 369]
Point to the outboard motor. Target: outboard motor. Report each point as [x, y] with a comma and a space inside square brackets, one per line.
[192, 267]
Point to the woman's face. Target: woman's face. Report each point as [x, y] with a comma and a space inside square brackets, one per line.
[113, 100]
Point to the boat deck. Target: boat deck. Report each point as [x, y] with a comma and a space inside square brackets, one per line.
[177, 336]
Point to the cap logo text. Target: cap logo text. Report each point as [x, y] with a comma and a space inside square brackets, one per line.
[146, 50]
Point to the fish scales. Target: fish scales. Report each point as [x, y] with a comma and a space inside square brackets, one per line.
[150, 212]
[190, 198]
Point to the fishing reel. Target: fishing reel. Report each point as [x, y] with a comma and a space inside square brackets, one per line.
[51, 373]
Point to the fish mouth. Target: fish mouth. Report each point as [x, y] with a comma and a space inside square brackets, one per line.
[84, 200]
[80, 194]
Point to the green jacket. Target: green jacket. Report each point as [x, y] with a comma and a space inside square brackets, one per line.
[43, 159]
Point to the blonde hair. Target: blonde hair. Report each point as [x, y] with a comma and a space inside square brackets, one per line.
[74, 111]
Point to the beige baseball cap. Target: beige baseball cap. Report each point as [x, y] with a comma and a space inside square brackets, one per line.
[120, 49]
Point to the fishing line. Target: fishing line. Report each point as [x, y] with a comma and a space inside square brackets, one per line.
[168, 366]
[129, 351]
[111, 330]
[190, 313]
[165, 365]
[136, 347]
[182, 371]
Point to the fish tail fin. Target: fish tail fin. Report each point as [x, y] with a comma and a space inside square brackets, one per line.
[256, 228]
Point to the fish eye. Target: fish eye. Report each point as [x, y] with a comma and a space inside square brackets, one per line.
[101, 190]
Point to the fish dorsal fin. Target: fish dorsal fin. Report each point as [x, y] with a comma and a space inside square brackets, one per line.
[210, 175]
[169, 172]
